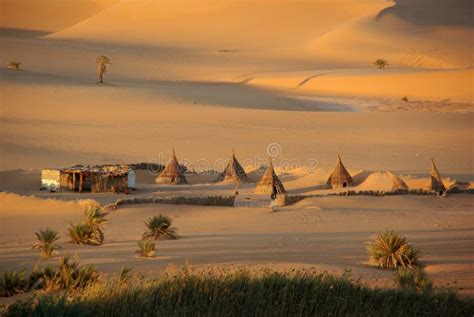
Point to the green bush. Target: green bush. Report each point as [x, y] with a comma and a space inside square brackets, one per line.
[146, 248]
[390, 250]
[46, 243]
[81, 233]
[159, 227]
[70, 275]
[12, 282]
[414, 279]
[92, 227]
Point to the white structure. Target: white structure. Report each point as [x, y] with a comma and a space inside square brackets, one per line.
[50, 179]
[131, 177]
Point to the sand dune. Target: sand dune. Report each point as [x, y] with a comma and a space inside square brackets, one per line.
[47, 15]
[361, 42]
[444, 85]
[432, 12]
[219, 25]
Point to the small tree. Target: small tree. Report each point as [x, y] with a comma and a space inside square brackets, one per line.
[102, 62]
[381, 63]
[46, 243]
[14, 65]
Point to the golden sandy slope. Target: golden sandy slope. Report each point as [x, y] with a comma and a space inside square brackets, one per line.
[47, 15]
[218, 24]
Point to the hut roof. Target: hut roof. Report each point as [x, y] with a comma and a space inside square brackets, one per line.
[436, 180]
[340, 177]
[172, 174]
[398, 182]
[233, 171]
[268, 181]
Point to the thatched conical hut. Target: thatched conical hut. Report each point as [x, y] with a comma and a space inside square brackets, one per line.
[269, 183]
[398, 183]
[172, 174]
[436, 180]
[233, 172]
[340, 177]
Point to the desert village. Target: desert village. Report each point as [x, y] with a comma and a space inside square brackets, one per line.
[269, 187]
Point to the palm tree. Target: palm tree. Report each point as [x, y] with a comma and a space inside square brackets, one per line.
[390, 250]
[46, 242]
[95, 217]
[102, 62]
[159, 227]
[14, 65]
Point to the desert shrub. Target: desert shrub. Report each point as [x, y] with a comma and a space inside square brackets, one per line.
[81, 233]
[146, 248]
[405, 99]
[46, 243]
[124, 274]
[414, 279]
[92, 227]
[96, 217]
[102, 61]
[390, 250]
[12, 282]
[218, 292]
[14, 65]
[159, 227]
[381, 63]
[70, 275]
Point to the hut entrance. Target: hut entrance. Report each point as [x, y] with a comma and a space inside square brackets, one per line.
[344, 184]
[75, 177]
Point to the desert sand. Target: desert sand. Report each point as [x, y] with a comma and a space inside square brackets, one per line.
[207, 77]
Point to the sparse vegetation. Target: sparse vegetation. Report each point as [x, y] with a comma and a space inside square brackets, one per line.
[12, 282]
[92, 227]
[46, 243]
[102, 62]
[390, 250]
[381, 63]
[146, 248]
[405, 99]
[218, 292]
[159, 227]
[96, 217]
[81, 233]
[70, 275]
[413, 279]
[14, 65]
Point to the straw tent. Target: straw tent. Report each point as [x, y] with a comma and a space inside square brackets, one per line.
[233, 172]
[172, 174]
[398, 183]
[436, 180]
[340, 177]
[270, 183]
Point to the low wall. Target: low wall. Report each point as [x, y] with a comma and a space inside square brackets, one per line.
[179, 200]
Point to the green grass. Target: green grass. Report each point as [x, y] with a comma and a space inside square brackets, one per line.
[219, 292]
